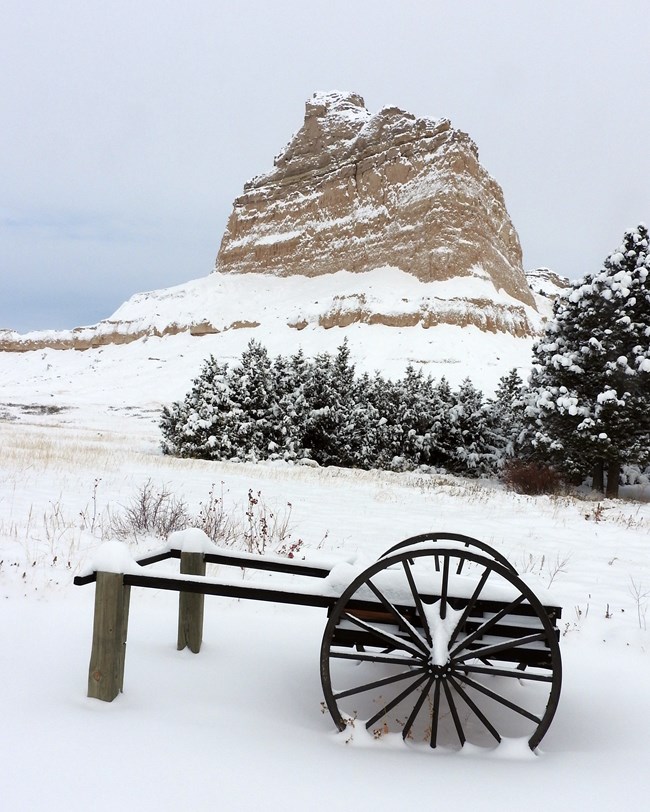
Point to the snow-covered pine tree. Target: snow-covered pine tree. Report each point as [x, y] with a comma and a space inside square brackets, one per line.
[508, 416]
[365, 426]
[444, 437]
[592, 374]
[201, 424]
[385, 440]
[476, 452]
[290, 409]
[171, 421]
[253, 389]
[415, 417]
[326, 406]
[337, 412]
[342, 412]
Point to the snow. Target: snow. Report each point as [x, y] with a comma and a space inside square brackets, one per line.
[224, 299]
[341, 103]
[608, 394]
[240, 724]
[270, 238]
[190, 540]
[441, 631]
[242, 717]
[113, 556]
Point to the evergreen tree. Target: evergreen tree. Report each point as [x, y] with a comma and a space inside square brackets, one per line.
[414, 416]
[476, 451]
[592, 375]
[365, 425]
[331, 435]
[444, 437]
[508, 415]
[201, 425]
[253, 390]
[385, 397]
[290, 409]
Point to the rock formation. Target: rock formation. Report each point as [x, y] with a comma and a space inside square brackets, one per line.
[355, 191]
[547, 283]
[389, 219]
[546, 286]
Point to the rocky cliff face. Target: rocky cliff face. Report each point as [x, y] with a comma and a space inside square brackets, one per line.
[355, 191]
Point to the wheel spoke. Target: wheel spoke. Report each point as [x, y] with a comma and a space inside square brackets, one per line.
[416, 709]
[488, 624]
[390, 705]
[386, 637]
[454, 713]
[379, 683]
[403, 622]
[479, 714]
[443, 591]
[435, 713]
[367, 657]
[417, 600]
[498, 698]
[471, 604]
[487, 651]
[504, 672]
[461, 563]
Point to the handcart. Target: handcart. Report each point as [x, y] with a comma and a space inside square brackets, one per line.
[440, 640]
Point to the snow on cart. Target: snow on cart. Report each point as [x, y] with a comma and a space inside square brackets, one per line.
[440, 640]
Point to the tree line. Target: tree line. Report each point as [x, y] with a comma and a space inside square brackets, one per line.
[583, 411]
[293, 408]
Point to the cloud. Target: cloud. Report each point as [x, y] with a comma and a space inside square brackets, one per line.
[130, 128]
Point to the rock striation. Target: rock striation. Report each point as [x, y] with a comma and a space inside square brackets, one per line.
[355, 191]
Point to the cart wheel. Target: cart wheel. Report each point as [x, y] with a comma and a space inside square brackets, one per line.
[414, 646]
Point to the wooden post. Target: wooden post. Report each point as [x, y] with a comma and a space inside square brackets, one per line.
[106, 671]
[190, 606]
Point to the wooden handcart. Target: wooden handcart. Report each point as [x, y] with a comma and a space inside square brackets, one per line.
[440, 640]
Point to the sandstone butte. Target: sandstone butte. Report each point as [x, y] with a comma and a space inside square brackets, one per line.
[355, 191]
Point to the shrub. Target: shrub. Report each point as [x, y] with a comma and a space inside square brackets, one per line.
[152, 511]
[531, 478]
[155, 511]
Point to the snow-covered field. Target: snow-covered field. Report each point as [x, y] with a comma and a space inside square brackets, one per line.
[239, 726]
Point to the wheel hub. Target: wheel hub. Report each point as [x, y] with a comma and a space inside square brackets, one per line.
[440, 671]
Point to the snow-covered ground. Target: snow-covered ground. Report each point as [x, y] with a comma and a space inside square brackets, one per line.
[240, 726]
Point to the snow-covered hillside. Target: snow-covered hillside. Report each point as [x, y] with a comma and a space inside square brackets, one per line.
[384, 313]
[240, 725]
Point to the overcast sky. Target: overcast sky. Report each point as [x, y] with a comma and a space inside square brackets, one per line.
[127, 128]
